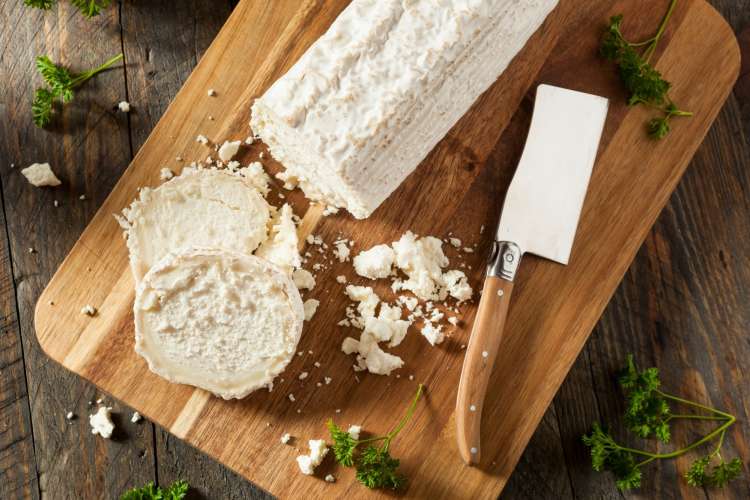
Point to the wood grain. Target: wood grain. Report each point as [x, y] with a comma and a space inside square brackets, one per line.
[62, 449]
[543, 470]
[556, 307]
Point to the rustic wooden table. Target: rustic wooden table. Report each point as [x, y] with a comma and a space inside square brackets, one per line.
[684, 305]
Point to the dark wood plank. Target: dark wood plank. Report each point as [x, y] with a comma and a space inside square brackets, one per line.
[88, 150]
[18, 477]
[163, 41]
[683, 306]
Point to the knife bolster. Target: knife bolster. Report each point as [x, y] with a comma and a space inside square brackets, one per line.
[504, 260]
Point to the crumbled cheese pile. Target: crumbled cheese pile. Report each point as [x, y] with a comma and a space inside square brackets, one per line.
[423, 262]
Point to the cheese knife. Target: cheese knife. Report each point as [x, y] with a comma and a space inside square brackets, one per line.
[540, 216]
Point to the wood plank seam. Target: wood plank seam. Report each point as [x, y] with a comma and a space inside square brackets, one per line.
[17, 324]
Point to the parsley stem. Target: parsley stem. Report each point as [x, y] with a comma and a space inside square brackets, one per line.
[697, 405]
[408, 414]
[708, 437]
[79, 79]
[697, 417]
[388, 437]
[655, 41]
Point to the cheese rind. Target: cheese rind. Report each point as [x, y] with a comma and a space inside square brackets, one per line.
[365, 104]
[204, 208]
[218, 320]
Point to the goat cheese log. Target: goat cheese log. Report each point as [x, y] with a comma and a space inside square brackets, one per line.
[204, 208]
[219, 320]
[368, 100]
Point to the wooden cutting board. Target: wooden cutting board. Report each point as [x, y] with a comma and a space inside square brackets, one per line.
[457, 190]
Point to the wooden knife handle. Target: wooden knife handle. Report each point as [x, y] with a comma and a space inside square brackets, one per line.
[478, 362]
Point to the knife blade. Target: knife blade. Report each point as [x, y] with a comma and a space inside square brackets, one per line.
[540, 216]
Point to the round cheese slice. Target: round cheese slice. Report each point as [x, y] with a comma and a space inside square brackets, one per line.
[201, 208]
[219, 320]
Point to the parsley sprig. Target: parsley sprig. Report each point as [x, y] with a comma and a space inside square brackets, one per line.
[376, 468]
[648, 414]
[175, 491]
[88, 8]
[61, 84]
[644, 83]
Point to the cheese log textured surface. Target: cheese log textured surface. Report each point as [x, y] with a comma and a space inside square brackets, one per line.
[367, 101]
[222, 321]
[205, 208]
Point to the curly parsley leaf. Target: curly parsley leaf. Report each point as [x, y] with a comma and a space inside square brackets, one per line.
[175, 491]
[647, 413]
[645, 84]
[61, 84]
[606, 454]
[719, 476]
[40, 4]
[343, 444]
[376, 468]
[91, 8]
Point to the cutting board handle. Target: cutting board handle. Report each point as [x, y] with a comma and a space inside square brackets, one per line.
[481, 352]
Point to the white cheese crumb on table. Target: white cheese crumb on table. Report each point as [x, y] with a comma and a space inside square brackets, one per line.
[318, 451]
[136, 417]
[286, 438]
[101, 422]
[165, 174]
[40, 174]
[330, 478]
[310, 306]
[228, 150]
[88, 310]
[124, 106]
[303, 279]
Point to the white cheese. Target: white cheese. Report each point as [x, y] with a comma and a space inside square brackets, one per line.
[303, 279]
[457, 285]
[136, 417]
[318, 451]
[228, 150]
[282, 243]
[422, 260]
[222, 321]
[40, 174]
[101, 422]
[165, 174]
[341, 252]
[202, 139]
[433, 333]
[201, 208]
[211, 93]
[88, 310]
[330, 478]
[257, 176]
[286, 438]
[354, 431]
[375, 263]
[124, 106]
[341, 279]
[310, 306]
[368, 100]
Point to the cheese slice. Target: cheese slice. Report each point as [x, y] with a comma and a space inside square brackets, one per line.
[205, 208]
[367, 101]
[219, 320]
